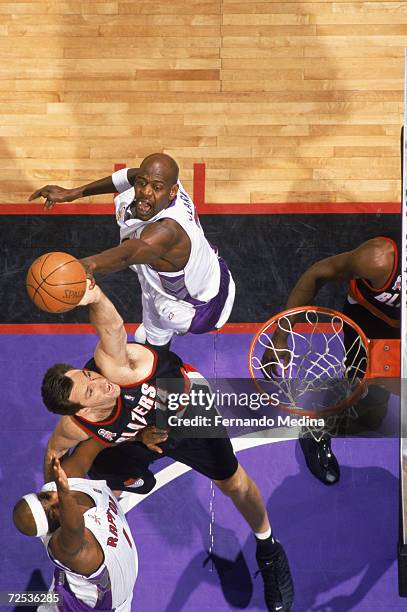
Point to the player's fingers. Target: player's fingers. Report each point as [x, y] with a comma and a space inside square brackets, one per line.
[158, 430]
[48, 204]
[35, 195]
[56, 465]
[160, 433]
[155, 448]
[92, 281]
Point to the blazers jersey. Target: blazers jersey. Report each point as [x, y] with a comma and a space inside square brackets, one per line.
[138, 403]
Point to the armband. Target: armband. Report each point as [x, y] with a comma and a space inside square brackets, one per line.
[120, 180]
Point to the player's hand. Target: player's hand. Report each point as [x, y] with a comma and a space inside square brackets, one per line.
[276, 357]
[53, 194]
[151, 436]
[89, 266]
[60, 477]
[92, 294]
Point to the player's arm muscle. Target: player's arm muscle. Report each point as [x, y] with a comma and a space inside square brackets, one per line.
[78, 463]
[56, 193]
[72, 543]
[371, 260]
[336, 268]
[154, 244]
[65, 436]
[111, 348]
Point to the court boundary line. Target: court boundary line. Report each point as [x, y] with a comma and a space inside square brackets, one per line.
[277, 208]
[87, 328]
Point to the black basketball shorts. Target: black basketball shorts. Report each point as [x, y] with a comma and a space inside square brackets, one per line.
[127, 462]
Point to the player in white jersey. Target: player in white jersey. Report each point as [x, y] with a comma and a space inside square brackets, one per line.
[87, 538]
[185, 286]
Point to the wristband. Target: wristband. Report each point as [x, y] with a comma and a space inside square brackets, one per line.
[120, 180]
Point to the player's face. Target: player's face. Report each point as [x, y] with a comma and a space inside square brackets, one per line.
[154, 190]
[92, 390]
[49, 501]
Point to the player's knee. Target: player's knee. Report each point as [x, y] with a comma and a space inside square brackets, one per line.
[236, 484]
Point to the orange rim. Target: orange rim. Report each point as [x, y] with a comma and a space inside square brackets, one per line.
[343, 404]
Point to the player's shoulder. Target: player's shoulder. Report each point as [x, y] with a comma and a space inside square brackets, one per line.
[69, 429]
[376, 247]
[167, 230]
[372, 257]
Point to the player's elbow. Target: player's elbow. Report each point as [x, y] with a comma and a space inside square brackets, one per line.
[114, 327]
[55, 449]
[52, 454]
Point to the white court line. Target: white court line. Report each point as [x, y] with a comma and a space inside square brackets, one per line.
[176, 469]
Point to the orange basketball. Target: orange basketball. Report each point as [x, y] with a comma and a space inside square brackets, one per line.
[56, 282]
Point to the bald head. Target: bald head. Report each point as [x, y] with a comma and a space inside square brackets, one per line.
[164, 164]
[155, 186]
[23, 518]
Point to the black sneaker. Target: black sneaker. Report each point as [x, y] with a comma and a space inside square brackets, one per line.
[320, 459]
[278, 584]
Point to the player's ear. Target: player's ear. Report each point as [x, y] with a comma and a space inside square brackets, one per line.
[174, 191]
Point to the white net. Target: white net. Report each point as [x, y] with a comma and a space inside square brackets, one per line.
[315, 359]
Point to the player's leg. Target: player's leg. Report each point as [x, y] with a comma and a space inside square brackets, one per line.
[370, 411]
[317, 444]
[229, 299]
[215, 458]
[215, 313]
[151, 331]
[246, 496]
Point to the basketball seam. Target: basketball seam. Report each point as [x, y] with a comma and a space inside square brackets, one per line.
[56, 298]
[40, 285]
[56, 269]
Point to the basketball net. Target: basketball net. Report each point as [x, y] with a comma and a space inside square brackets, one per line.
[318, 362]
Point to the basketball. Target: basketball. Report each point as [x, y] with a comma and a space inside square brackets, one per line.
[56, 282]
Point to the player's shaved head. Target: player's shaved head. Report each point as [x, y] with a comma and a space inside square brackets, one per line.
[23, 518]
[166, 165]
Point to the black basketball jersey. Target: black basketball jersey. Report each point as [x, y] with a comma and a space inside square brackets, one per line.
[137, 404]
[384, 302]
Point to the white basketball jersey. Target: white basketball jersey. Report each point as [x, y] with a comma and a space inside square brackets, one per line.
[200, 278]
[107, 522]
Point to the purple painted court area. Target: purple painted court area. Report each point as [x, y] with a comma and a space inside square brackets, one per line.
[341, 541]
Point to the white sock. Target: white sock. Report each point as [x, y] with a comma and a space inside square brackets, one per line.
[263, 536]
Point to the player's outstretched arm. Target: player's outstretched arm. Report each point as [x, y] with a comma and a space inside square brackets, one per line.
[372, 260]
[110, 352]
[65, 436]
[154, 244]
[78, 463]
[53, 194]
[70, 544]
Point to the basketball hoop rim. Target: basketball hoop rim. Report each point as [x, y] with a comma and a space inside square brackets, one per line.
[356, 394]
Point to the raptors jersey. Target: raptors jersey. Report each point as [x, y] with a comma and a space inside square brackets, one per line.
[137, 405]
[199, 281]
[111, 586]
[384, 302]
